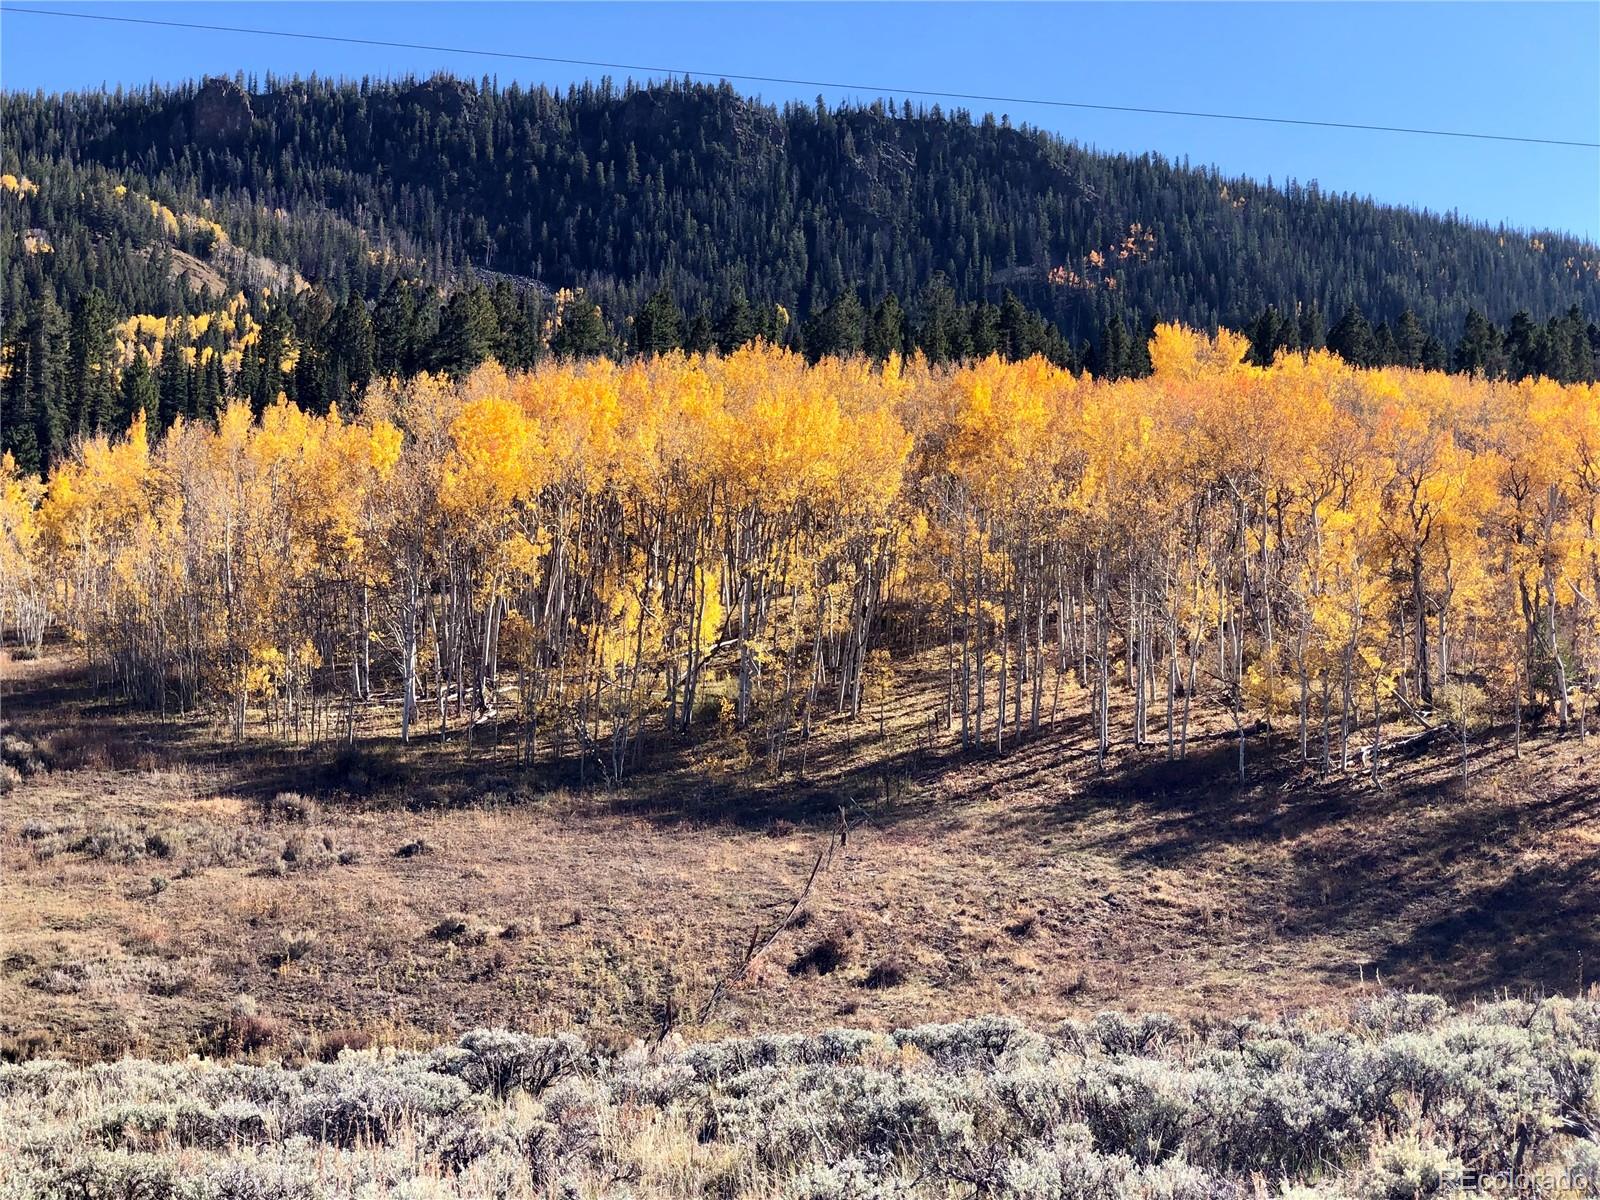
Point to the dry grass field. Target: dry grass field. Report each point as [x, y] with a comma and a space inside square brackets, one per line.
[167, 891]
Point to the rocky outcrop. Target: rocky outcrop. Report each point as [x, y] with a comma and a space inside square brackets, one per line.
[453, 98]
[220, 112]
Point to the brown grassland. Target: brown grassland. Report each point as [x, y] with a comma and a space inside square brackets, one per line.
[167, 890]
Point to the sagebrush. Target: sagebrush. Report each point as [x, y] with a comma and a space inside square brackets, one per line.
[1401, 1097]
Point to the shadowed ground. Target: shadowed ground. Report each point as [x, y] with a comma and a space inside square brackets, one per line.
[152, 880]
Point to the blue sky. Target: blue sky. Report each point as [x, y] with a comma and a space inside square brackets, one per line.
[1522, 68]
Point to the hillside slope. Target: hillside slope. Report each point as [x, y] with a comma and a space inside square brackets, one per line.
[157, 870]
[622, 189]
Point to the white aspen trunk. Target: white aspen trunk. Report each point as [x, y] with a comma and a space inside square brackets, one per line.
[1000, 682]
[981, 639]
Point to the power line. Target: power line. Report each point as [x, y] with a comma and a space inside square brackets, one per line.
[819, 83]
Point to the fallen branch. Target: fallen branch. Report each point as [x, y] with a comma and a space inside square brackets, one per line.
[1412, 712]
[1427, 734]
[762, 940]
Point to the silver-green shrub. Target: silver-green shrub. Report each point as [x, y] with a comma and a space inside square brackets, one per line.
[1403, 1099]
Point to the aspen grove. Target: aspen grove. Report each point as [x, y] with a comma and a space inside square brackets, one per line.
[596, 556]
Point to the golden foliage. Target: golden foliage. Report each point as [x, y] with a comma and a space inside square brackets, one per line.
[1322, 538]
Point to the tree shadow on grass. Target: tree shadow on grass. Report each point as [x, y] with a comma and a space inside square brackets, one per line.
[1537, 930]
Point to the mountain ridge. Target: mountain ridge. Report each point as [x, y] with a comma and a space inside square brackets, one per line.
[712, 193]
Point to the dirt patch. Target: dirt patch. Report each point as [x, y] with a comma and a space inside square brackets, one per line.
[148, 891]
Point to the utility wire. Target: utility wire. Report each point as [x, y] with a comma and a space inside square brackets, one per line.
[820, 83]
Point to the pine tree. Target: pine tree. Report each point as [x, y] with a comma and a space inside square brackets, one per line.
[430, 190]
[1267, 333]
[1311, 328]
[1055, 347]
[140, 393]
[352, 350]
[1480, 352]
[942, 333]
[1139, 353]
[516, 315]
[772, 323]
[19, 422]
[886, 331]
[737, 326]
[172, 386]
[33, 390]
[469, 331]
[1525, 347]
[1385, 350]
[1409, 337]
[215, 386]
[1021, 331]
[839, 330]
[1112, 357]
[701, 337]
[394, 328]
[583, 332]
[1352, 339]
[271, 348]
[984, 335]
[91, 365]
[658, 325]
[1583, 345]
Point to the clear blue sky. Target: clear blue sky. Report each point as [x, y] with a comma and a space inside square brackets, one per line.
[1520, 68]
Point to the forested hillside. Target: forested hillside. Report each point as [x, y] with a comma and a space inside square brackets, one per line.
[302, 237]
[713, 194]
